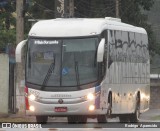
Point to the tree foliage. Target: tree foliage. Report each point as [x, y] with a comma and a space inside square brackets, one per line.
[94, 8]
[131, 11]
[7, 24]
[42, 9]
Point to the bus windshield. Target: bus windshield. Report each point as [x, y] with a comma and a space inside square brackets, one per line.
[73, 62]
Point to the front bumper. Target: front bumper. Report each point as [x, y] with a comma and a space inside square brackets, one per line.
[72, 109]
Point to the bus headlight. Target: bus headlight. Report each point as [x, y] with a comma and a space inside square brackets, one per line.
[32, 97]
[31, 108]
[90, 96]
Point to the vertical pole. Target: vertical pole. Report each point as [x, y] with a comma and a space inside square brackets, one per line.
[64, 8]
[61, 8]
[117, 8]
[19, 67]
[71, 8]
[19, 21]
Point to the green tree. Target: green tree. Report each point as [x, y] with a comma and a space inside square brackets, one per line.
[42, 9]
[7, 24]
[131, 12]
[38, 9]
[94, 8]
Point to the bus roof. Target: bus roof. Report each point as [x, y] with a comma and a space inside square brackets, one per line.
[75, 27]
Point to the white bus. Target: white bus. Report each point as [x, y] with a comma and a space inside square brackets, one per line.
[86, 68]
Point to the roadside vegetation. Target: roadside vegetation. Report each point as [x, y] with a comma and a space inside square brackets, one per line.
[131, 11]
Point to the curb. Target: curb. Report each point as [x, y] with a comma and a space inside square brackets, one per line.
[4, 115]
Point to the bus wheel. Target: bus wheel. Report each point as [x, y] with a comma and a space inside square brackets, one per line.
[109, 111]
[124, 119]
[82, 119]
[135, 117]
[77, 119]
[42, 119]
[101, 119]
[72, 119]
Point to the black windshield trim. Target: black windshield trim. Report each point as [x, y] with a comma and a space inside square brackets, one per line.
[57, 89]
[61, 86]
[62, 38]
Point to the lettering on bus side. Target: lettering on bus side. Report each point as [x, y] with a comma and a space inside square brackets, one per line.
[128, 57]
[128, 47]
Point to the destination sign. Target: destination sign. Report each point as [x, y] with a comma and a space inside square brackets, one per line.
[45, 42]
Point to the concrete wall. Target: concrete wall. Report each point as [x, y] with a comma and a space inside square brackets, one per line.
[155, 94]
[4, 83]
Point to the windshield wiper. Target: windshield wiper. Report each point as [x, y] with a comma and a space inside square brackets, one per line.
[77, 74]
[48, 75]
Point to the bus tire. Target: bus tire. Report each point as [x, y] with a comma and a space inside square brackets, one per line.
[124, 119]
[135, 116]
[109, 111]
[72, 119]
[101, 119]
[77, 119]
[42, 119]
[82, 119]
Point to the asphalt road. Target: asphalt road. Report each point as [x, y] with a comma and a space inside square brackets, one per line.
[60, 124]
[86, 129]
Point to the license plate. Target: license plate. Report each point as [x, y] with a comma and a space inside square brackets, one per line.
[60, 109]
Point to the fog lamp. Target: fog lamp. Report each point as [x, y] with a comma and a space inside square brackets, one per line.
[91, 108]
[31, 108]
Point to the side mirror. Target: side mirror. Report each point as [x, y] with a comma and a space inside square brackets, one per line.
[100, 51]
[19, 51]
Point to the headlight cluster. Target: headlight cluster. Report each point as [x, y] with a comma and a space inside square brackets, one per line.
[90, 96]
[91, 108]
[31, 108]
[32, 97]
